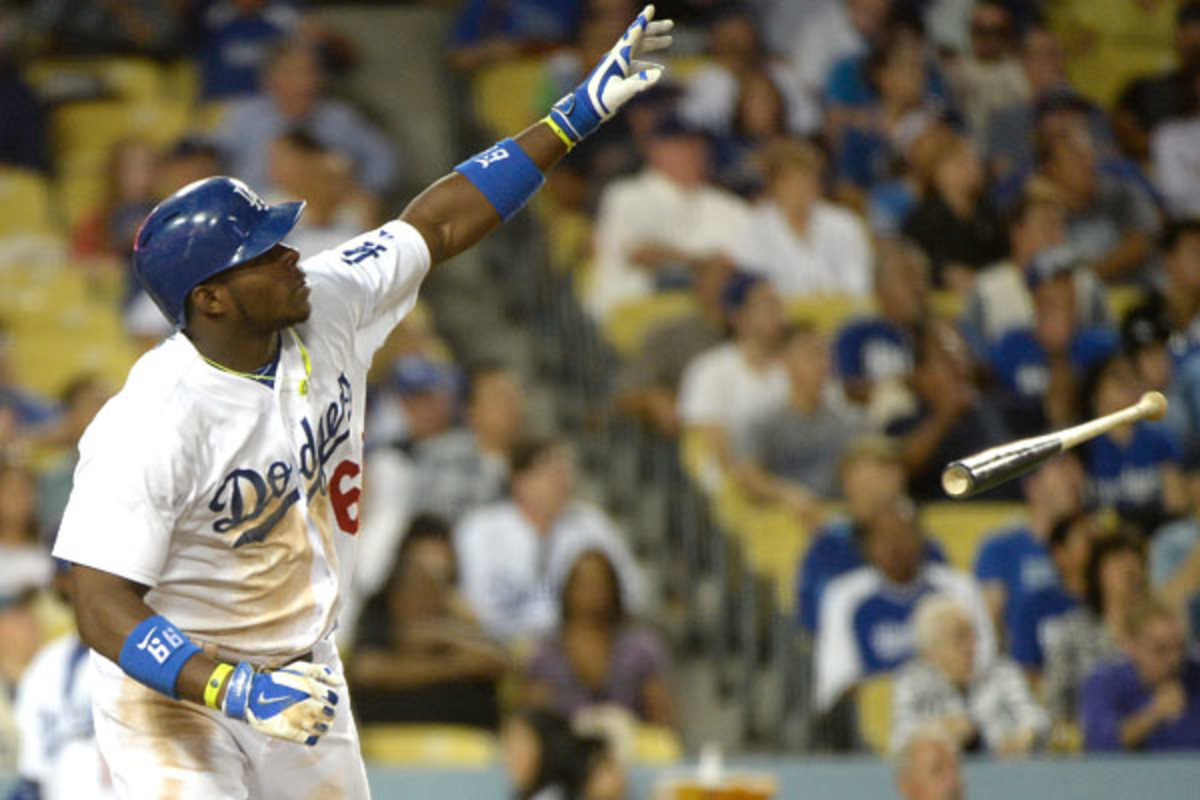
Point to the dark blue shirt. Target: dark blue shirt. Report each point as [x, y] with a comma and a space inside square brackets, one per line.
[1031, 617]
[1114, 692]
[1129, 477]
[834, 551]
[238, 44]
[1019, 359]
[1016, 559]
[524, 20]
[872, 348]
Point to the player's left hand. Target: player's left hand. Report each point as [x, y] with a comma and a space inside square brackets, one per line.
[297, 702]
[618, 77]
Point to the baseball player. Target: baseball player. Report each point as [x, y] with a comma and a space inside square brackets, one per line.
[213, 518]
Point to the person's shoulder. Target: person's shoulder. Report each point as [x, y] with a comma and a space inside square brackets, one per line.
[455, 442]
[487, 520]
[851, 589]
[1012, 537]
[948, 578]
[838, 218]
[154, 397]
[721, 356]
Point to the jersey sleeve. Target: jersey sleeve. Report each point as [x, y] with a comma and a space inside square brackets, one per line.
[838, 662]
[370, 282]
[119, 517]
[993, 561]
[701, 395]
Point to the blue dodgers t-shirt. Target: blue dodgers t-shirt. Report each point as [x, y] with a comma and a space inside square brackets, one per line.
[237, 45]
[872, 348]
[1021, 563]
[1019, 359]
[834, 552]
[1028, 635]
[1128, 477]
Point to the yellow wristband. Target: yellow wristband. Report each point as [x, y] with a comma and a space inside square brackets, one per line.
[559, 132]
[213, 687]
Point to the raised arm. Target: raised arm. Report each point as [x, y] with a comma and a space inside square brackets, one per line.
[485, 190]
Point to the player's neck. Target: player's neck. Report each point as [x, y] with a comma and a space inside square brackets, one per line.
[235, 349]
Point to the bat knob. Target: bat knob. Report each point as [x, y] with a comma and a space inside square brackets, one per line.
[1154, 405]
[957, 480]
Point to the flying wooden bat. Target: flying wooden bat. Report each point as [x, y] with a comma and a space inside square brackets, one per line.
[992, 467]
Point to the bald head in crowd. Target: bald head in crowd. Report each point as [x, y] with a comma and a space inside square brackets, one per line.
[928, 767]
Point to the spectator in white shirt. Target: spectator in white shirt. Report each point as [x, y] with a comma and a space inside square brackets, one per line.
[653, 227]
[1175, 147]
[515, 555]
[988, 708]
[729, 388]
[802, 243]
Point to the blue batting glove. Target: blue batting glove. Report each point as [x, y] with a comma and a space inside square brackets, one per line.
[296, 703]
[617, 78]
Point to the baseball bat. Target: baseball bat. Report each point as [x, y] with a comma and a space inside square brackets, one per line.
[992, 467]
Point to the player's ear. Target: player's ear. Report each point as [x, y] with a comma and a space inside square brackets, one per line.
[207, 300]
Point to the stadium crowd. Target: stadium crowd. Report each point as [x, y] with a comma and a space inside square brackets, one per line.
[843, 243]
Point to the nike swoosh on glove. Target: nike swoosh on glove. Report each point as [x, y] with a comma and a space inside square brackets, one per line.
[618, 77]
[297, 702]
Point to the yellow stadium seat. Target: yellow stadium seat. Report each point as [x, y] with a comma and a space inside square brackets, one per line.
[873, 699]
[428, 745]
[126, 78]
[24, 203]
[946, 304]
[771, 535]
[504, 94]
[93, 127]
[655, 745]
[960, 527]
[629, 324]
[1122, 299]
[827, 313]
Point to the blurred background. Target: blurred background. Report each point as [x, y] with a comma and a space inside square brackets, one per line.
[652, 492]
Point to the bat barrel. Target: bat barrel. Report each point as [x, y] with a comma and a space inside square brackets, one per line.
[980, 472]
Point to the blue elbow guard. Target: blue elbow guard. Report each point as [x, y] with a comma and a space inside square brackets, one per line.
[506, 176]
[154, 654]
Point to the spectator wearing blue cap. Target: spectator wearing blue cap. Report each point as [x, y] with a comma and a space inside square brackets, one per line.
[1041, 366]
[729, 388]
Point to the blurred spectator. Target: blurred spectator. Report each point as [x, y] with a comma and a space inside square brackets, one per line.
[81, 401]
[1150, 701]
[598, 655]
[487, 31]
[18, 508]
[1175, 565]
[1076, 642]
[546, 759]
[1159, 357]
[803, 244]
[190, 159]
[130, 192]
[514, 555]
[421, 393]
[1001, 300]
[989, 76]
[23, 137]
[791, 454]
[1070, 548]
[1176, 153]
[653, 227]
[928, 767]
[1015, 563]
[1177, 301]
[649, 383]
[1111, 221]
[82, 27]
[337, 209]
[1150, 100]
[759, 119]
[293, 97]
[954, 222]
[22, 574]
[467, 467]
[1108, 42]
[871, 477]
[419, 656]
[983, 707]
[1136, 468]
[877, 349]
[865, 619]
[1043, 365]
[238, 36]
[727, 389]
[59, 755]
[951, 416]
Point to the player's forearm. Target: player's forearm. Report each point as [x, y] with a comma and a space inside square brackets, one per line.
[453, 214]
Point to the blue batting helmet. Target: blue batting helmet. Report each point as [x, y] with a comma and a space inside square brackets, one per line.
[203, 229]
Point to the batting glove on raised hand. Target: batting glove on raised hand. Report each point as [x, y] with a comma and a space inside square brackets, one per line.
[618, 77]
[296, 703]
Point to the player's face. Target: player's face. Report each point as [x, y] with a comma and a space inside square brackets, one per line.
[269, 292]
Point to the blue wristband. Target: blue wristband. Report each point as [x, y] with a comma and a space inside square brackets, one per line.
[237, 694]
[154, 654]
[506, 176]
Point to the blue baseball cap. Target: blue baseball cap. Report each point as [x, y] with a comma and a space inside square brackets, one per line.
[420, 375]
[737, 289]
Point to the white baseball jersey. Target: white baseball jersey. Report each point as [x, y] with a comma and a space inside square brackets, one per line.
[58, 738]
[236, 503]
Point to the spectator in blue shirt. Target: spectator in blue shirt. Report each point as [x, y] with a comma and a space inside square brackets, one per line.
[486, 31]
[870, 350]
[238, 38]
[1070, 550]
[871, 476]
[1014, 563]
[1041, 366]
[1149, 701]
[1135, 468]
